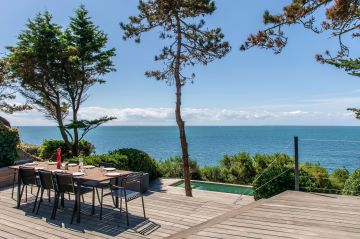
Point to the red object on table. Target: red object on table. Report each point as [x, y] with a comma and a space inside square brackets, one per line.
[58, 162]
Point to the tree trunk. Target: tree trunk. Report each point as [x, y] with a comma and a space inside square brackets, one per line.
[75, 143]
[179, 121]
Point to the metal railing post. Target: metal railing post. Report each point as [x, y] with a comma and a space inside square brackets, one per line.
[296, 166]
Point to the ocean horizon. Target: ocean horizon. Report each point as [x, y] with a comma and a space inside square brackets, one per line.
[330, 146]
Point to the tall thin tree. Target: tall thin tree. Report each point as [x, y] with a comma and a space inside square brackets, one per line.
[181, 24]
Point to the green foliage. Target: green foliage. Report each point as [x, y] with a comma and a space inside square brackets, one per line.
[139, 161]
[213, 173]
[238, 168]
[48, 149]
[56, 67]
[274, 180]
[352, 184]
[119, 161]
[314, 178]
[31, 149]
[9, 139]
[338, 178]
[172, 168]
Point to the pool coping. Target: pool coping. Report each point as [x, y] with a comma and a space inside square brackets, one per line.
[203, 181]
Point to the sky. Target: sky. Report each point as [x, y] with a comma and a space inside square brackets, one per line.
[255, 87]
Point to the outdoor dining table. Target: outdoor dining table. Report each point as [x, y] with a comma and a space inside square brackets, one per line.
[95, 175]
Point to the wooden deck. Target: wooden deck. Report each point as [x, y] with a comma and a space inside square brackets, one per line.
[207, 215]
[167, 212]
[288, 215]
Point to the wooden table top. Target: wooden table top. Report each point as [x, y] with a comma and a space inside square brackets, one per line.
[94, 174]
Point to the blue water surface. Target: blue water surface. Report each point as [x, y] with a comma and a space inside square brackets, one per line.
[331, 146]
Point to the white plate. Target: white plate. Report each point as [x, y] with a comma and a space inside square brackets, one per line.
[89, 166]
[57, 171]
[51, 163]
[72, 164]
[39, 168]
[112, 174]
[77, 174]
[110, 169]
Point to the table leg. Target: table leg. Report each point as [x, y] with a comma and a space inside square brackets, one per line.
[18, 188]
[78, 201]
[116, 198]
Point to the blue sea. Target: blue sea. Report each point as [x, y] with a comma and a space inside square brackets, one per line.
[331, 146]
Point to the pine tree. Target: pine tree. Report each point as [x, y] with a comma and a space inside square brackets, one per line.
[181, 23]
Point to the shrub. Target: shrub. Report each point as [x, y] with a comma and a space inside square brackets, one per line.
[139, 161]
[119, 161]
[239, 168]
[212, 173]
[9, 139]
[352, 184]
[48, 149]
[314, 178]
[276, 179]
[338, 178]
[172, 168]
[31, 149]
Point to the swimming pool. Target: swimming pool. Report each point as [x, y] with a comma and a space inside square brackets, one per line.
[217, 187]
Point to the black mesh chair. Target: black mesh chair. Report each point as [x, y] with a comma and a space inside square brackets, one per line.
[46, 183]
[65, 185]
[99, 185]
[28, 178]
[122, 191]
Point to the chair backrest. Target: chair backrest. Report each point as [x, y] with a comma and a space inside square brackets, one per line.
[131, 179]
[46, 179]
[64, 183]
[27, 175]
[106, 165]
[74, 161]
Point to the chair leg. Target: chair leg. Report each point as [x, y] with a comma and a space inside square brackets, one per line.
[74, 211]
[142, 199]
[97, 193]
[37, 195]
[56, 205]
[120, 204]
[25, 193]
[40, 201]
[49, 195]
[93, 202]
[13, 188]
[127, 215]
[82, 197]
[22, 191]
[101, 202]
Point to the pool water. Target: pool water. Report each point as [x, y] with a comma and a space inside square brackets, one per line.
[217, 187]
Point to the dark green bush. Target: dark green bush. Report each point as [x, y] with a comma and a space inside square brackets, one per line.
[314, 178]
[9, 139]
[274, 180]
[139, 161]
[338, 178]
[238, 168]
[172, 168]
[352, 184]
[212, 173]
[48, 149]
[119, 161]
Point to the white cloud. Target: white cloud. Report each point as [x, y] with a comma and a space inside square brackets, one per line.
[198, 116]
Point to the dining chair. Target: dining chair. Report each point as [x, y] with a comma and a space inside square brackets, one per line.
[28, 178]
[99, 185]
[122, 191]
[64, 185]
[46, 183]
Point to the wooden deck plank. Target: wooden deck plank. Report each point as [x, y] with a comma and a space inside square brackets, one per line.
[288, 215]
